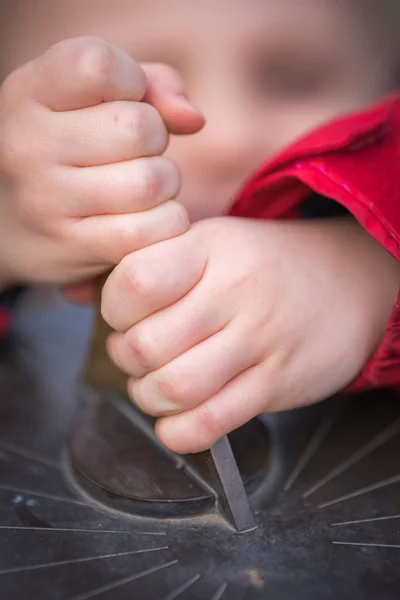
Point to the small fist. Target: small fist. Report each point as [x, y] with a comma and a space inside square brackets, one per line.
[82, 178]
[238, 317]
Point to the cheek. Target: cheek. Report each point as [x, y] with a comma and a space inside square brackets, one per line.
[293, 122]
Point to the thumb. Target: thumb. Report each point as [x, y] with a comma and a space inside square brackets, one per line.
[165, 92]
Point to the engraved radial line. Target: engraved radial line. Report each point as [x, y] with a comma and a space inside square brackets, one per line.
[120, 582]
[366, 545]
[220, 592]
[182, 588]
[75, 561]
[362, 491]
[373, 520]
[315, 442]
[372, 445]
[29, 455]
[65, 530]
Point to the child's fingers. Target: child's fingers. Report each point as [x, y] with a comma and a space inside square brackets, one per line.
[150, 280]
[80, 72]
[193, 377]
[198, 429]
[165, 91]
[109, 238]
[83, 72]
[108, 133]
[168, 333]
[125, 187]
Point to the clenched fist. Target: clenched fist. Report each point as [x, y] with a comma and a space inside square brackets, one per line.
[237, 317]
[82, 178]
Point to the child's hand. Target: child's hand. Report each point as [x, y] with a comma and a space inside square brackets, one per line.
[81, 164]
[239, 317]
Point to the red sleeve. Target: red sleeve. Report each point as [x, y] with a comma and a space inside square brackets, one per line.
[355, 161]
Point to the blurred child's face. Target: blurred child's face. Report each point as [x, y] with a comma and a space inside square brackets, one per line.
[263, 72]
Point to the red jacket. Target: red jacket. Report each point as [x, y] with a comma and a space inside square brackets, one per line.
[355, 161]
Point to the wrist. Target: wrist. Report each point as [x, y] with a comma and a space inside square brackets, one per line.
[383, 272]
[371, 284]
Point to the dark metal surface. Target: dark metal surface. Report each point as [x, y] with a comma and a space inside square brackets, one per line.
[329, 520]
[113, 450]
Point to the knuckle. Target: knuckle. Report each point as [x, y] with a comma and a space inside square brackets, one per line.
[94, 61]
[135, 280]
[140, 348]
[135, 237]
[152, 180]
[175, 386]
[246, 279]
[159, 179]
[209, 422]
[136, 124]
[132, 235]
[142, 125]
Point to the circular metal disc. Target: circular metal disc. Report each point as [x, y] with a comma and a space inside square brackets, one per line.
[114, 461]
[329, 530]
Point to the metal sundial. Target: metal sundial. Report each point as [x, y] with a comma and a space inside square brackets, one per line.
[324, 485]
